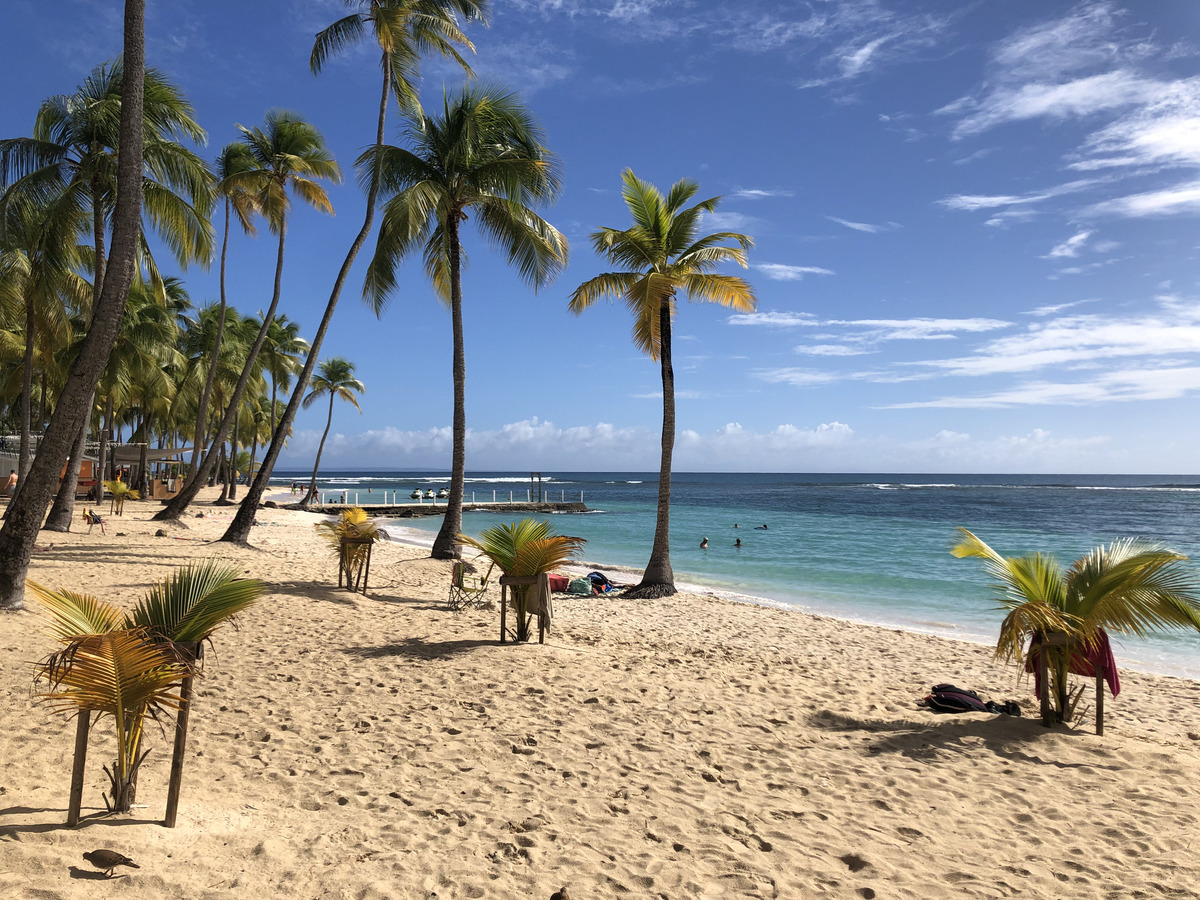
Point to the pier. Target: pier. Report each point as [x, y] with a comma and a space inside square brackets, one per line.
[415, 510]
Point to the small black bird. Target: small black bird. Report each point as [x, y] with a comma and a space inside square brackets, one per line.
[560, 894]
[107, 860]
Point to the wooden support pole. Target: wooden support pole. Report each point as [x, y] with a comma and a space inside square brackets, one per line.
[181, 728]
[75, 803]
[1043, 675]
[1100, 699]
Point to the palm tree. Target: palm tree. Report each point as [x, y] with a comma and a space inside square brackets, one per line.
[235, 159]
[1130, 587]
[289, 155]
[282, 353]
[403, 29]
[524, 548]
[660, 255]
[25, 512]
[335, 378]
[483, 154]
[127, 665]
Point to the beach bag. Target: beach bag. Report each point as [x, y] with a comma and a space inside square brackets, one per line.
[559, 583]
[950, 699]
[580, 586]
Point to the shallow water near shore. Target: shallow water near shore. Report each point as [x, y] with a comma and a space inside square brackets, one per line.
[867, 547]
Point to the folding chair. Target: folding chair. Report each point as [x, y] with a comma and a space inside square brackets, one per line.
[467, 590]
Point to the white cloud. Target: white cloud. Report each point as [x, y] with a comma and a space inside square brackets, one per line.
[973, 202]
[1182, 198]
[781, 272]
[773, 319]
[796, 377]
[857, 226]
[1056, 308]
[830, 350]
[759, 194]
[1070, 247]
[919, 329]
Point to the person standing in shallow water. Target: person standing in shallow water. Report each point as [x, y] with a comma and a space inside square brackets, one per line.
[704, 544]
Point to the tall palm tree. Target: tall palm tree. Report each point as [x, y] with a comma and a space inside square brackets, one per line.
[235, 159]
[39, 260]
[1131, 587]
[335, 378]
[403, 29]
[25, 512]
[661, 255]
[483, 154]
[289, 157]
[282, 360]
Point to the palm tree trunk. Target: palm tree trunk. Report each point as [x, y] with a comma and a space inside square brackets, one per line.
[312, 485]
[25, 512]
[238, 531]
[26, 390]
[63, 509]
[233, 455]
[202, 409]
[180, 502]
[445, 545]
[658, 580]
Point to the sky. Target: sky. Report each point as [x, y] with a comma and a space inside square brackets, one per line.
[975, 228]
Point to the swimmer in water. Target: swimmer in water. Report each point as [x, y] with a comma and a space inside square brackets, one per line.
[704, 544]
[760, 528]
[738, 542]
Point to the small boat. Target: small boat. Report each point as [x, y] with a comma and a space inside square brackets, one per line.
[443, 494]
[415, 495]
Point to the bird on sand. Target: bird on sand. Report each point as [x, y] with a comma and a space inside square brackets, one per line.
[107, 860]
[560, 894]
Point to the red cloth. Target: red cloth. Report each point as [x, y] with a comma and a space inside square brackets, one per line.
[1083, 662]
[559, 583]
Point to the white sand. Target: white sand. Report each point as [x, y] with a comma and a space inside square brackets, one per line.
[351, 747]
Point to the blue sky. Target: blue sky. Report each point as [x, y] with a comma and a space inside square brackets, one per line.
[975, 225]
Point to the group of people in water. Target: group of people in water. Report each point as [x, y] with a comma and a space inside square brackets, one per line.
[738, 541]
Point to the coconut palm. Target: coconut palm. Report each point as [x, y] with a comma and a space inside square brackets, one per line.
[523, 548]
[235, 159]
[131, 665]
[335, 379]
[350, 536]
[483, 155]
[25, 513]
[282, 355]
[289, 157]
[661, 255]
[403, 29]
[1130, 587]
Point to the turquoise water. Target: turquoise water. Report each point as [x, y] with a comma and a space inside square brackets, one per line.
[871, 548]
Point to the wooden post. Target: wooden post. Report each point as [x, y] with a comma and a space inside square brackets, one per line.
[81, 738]
[181, 729]
[1100, 699]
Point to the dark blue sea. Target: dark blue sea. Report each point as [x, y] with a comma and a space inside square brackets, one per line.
[872, 548]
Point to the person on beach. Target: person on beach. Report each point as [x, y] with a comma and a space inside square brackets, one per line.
[10, 486]
[704, 543]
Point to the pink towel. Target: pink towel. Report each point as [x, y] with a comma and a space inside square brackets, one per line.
[1083, 662]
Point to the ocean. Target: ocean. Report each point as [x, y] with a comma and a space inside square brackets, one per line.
[867, 547]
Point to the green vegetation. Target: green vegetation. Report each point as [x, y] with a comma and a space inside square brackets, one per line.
[660, 255]
[129, 666]
[1130, 587]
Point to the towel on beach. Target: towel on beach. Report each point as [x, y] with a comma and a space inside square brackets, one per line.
[1084, 661]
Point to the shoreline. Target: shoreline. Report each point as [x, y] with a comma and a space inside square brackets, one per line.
[414, 538]
[381, 746]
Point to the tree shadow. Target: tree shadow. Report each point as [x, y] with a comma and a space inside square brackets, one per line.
[415, 648]
[99, 817]
[1009, 737]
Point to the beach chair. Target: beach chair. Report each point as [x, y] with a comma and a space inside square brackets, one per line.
[466, 589]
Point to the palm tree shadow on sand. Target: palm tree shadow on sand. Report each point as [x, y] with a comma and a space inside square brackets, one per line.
[415, 648]
[1007, 737]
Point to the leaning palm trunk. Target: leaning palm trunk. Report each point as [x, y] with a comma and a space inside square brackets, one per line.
[63, 509]
[659, 580]
[312, 485]
[238, 531]
[179, 504]
[25, 512]
[445, 545]
[210, 377]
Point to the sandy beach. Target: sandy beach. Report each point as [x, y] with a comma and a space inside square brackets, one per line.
[383, 746]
